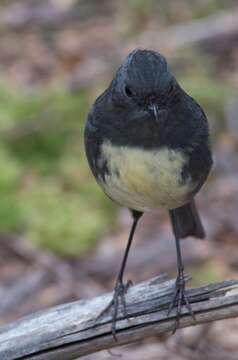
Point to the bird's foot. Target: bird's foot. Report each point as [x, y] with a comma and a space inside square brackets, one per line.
[120, 291]
[179, 299]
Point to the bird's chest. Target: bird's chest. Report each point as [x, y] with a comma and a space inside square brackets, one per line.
[145, 179]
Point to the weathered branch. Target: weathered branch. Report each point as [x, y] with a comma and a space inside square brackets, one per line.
[73, 330]
[221, 25]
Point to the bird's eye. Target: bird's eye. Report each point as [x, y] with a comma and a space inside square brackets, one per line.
[128, 91]
[171, 88]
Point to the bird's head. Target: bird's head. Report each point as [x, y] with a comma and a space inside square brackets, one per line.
[145, 81]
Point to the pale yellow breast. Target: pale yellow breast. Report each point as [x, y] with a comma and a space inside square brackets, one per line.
[145, 179]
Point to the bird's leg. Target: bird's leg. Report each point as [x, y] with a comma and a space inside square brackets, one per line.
[121, 288]
[180, 296]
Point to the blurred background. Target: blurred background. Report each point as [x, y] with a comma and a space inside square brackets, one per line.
[61, 239]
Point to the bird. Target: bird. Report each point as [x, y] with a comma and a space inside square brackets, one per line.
[148, 146]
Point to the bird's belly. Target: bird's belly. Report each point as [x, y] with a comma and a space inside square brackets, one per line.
[145, 179]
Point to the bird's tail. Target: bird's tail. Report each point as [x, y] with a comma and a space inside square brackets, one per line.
[188, 222]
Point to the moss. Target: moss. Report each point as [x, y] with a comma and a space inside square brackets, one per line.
[68, 223]
[10, 179]
[46, 188]
[51, 123]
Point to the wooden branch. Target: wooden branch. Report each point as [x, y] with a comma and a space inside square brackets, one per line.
[73, 330]
[221, 25]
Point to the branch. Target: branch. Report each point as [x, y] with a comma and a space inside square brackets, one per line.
[221, 25]
[72, 330]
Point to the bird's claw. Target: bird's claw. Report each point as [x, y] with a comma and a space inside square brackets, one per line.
[119, 294]
[179, 299]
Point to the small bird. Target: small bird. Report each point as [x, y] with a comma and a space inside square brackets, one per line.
[147, 144]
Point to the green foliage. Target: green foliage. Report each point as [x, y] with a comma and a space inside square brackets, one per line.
[10, 171]
[10, 212]
[64, 221]
[46, 188]
[212, 94]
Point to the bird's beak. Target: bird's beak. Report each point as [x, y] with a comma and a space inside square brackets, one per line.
[154, 107]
